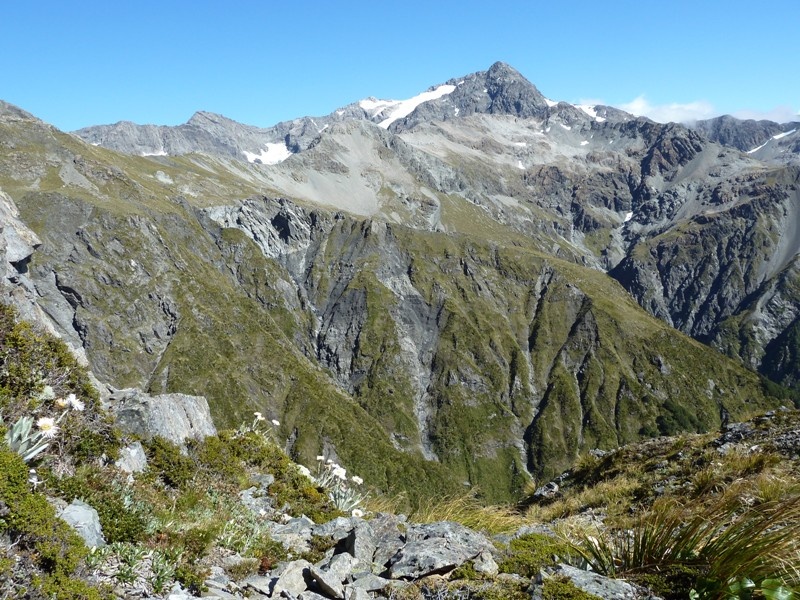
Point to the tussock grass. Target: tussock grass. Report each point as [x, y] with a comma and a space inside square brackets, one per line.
[713, 549]
[616, 491]
[468, 511]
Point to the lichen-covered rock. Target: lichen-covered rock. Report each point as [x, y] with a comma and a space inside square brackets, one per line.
[436, 548]
[86, 523]
[294, 579]
[174, 417]
[603, 587]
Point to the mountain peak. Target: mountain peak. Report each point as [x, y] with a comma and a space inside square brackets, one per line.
[501, 69]
[203, 117]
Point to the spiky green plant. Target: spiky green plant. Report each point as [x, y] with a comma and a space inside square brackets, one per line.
[715, 549]
[25, 442]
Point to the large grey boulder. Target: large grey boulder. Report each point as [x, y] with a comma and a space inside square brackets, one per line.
[337, 529]
[603, 587]
[174, 417]
[389, 534]
[437, 548]
[295, 534]
[86, 523]
[294, 579]
[328, 582]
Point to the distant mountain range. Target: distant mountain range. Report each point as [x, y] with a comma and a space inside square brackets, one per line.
[500, 90]
[471, 286]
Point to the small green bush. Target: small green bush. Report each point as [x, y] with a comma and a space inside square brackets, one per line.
[561, 588]
[219, 457]
[197, 541]
[192, 577]
[32, 525]
[120, 520]
[165, 460]
[530, 553]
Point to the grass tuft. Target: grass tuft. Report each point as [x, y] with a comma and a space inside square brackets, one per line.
[720, 546]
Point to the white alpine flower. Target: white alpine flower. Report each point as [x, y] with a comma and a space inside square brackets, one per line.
[75, 403]
[304, 470]
[357, 513]
[259, 416]
[340, 472]
[47, 426]
[357, 480]
[276, 423]
[321, 458]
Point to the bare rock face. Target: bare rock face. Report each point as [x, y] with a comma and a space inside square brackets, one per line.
[174, 417]
[436, 548]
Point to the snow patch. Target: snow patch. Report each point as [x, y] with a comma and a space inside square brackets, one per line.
[457, 111]
[584, 143]
[757, 148]
[783, 135]
[519, 165]
[272, 154]
[774, 137]
[591, 111]
[628, 217]
[567, 127]
[521, 144]
[403, 108]
[159, 153]
[550, 103]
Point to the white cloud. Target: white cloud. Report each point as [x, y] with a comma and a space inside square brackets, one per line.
[674, 112]
[700, 109]
[779, 114]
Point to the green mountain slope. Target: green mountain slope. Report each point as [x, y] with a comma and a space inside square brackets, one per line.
[423, 360]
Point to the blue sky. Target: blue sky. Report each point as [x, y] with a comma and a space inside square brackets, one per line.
[77, 63]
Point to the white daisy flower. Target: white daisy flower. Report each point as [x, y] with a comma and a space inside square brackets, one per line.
[357, 480]
[47, 426]
[276, 422]
[357, 513]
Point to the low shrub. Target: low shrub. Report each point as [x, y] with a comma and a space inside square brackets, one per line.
[529, 554]
[165, 460]
[32, 526]
[122, 520]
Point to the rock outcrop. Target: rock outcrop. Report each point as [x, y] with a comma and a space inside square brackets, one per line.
[174, 417]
